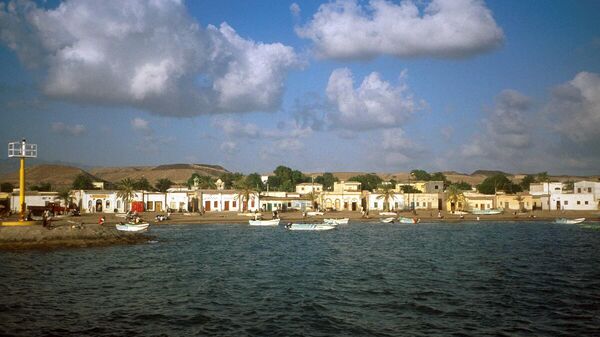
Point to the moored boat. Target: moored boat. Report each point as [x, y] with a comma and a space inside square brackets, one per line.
[387, 213]
[131, 227]
[403, 219]
[273, 222]
[341, 221]
[486, 211]
[388, 220]
[314, 213]
[309, 227]
[569, 221]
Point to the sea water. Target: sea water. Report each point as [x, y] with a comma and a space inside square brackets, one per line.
[469, 279]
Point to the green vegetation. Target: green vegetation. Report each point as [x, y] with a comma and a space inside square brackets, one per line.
[66, 196]
[498, 182]
[204, 182]
[368, 182]
[42, 187]
[462, 186]
[83, 182]
[387, 193]
[142, 184]
[230, 178]
[526, 181]
[6, 187]
[286, 179]
[126, 191]
[162, 185]
[327, 180]
[409, 189]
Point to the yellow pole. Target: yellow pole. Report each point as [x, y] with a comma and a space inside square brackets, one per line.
[22, 189]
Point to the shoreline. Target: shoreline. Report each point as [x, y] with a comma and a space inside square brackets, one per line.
[84, 231]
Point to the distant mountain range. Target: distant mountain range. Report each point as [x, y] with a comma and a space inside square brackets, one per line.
[62, 174]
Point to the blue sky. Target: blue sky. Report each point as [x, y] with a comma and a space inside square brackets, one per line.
[382, 86]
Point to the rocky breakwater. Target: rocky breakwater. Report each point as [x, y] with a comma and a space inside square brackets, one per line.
[66, 236]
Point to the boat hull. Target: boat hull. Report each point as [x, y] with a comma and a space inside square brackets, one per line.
[310, 227]
[388, 220]
[274, 222]
[133, 227]
[569, 221]
[409, 220]
[343, 221]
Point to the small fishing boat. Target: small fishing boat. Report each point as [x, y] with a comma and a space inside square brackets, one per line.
[388, 220]
[486, 211]
[341, 221]
[387, 213]
[566, 221]
[309, 227]
[314, 213]
[403, 219]
[132, 227]
[273, 222]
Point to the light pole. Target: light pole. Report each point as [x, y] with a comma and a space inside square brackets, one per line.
[22, 150]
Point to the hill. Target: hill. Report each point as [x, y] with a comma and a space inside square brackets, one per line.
[59, 176]
[178, 173]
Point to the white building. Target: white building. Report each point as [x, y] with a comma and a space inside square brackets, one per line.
[428, 201]
[345, 196]
[573, 202]
[546, 188]
[33, 198]
[587, 187]
[376, 201]
[306, 188]
[101, 201]
[226, 200]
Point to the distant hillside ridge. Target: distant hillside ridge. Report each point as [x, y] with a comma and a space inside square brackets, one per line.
[489, 173]
[59, 176]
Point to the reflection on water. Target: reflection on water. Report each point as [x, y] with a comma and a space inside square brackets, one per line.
[508, 279]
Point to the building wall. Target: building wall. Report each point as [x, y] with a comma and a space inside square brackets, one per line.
[544, 188]
[346, 186]
[479, 201]
[511, 202]
[424, 200]
[573, 202]
[341, 201]
[587, 187]
[308, 188]
[41, 199]
[376, 202]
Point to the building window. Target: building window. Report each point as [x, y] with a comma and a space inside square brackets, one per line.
[590, 189]
[375, 204]
[436, 187]
[215, 204]
[302, 188]
[586, 202]
[417, 204]
[118, 203]
[233, 204]
[578, 202]
[566, 202]
[107, 204]
[579, 190]
[149, 205]
[289, 204]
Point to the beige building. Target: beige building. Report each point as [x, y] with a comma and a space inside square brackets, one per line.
[345, 196]
[425, 200]
[306, 188]
[423, 186]
[515, 202]
[479, 201]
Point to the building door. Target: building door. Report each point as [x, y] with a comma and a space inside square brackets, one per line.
[207, 206]
[440, 205]
[226, 206]
[98, 205]
[158, 206]
[354, 205]
[557, 204]
[429, 205]
[506, 205]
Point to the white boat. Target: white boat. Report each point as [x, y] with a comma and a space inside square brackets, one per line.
[313, 213]
[387, 213]
[569, 221]
[403, 219]
[273, 222]
[388, 220]
[341, 221]
[310, 227]
[486, 211]
[252, 214]
[130, 227]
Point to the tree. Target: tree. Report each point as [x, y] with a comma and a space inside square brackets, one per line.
[126, 191]
[526, 181]
[83, 182]
[42, 187]
[6, 187]
[421, 175]
[66, 196]
[142, 184]
[456, 197]
[327, 180]
[205, 182]
[543, 177]
[255, 180]
[368, 182]
[229, 178]
[409, 189]
[462, 186]
[387, 193]
[162, 185]
[245, 191]
[498, 182]
[312, 196]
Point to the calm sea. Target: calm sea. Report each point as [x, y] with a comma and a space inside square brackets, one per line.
[472, 279]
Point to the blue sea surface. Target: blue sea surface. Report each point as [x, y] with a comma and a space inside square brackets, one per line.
[469, 279]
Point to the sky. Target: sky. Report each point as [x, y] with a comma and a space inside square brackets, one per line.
[373, 86]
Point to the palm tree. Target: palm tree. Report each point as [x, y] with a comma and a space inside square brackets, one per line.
[312, 196]
[456, 196]
[67, 196]
[162, 185]
[245, 190]
[126, 191]
[387, 193]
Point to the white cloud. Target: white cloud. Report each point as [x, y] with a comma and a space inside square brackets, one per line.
[148, 54]
[229, 147]
[398, 148]
[71, 130]
[140, 124]
[575, 108]
[374, 104]
[295, 9]
[506, 131]
[345, 29]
